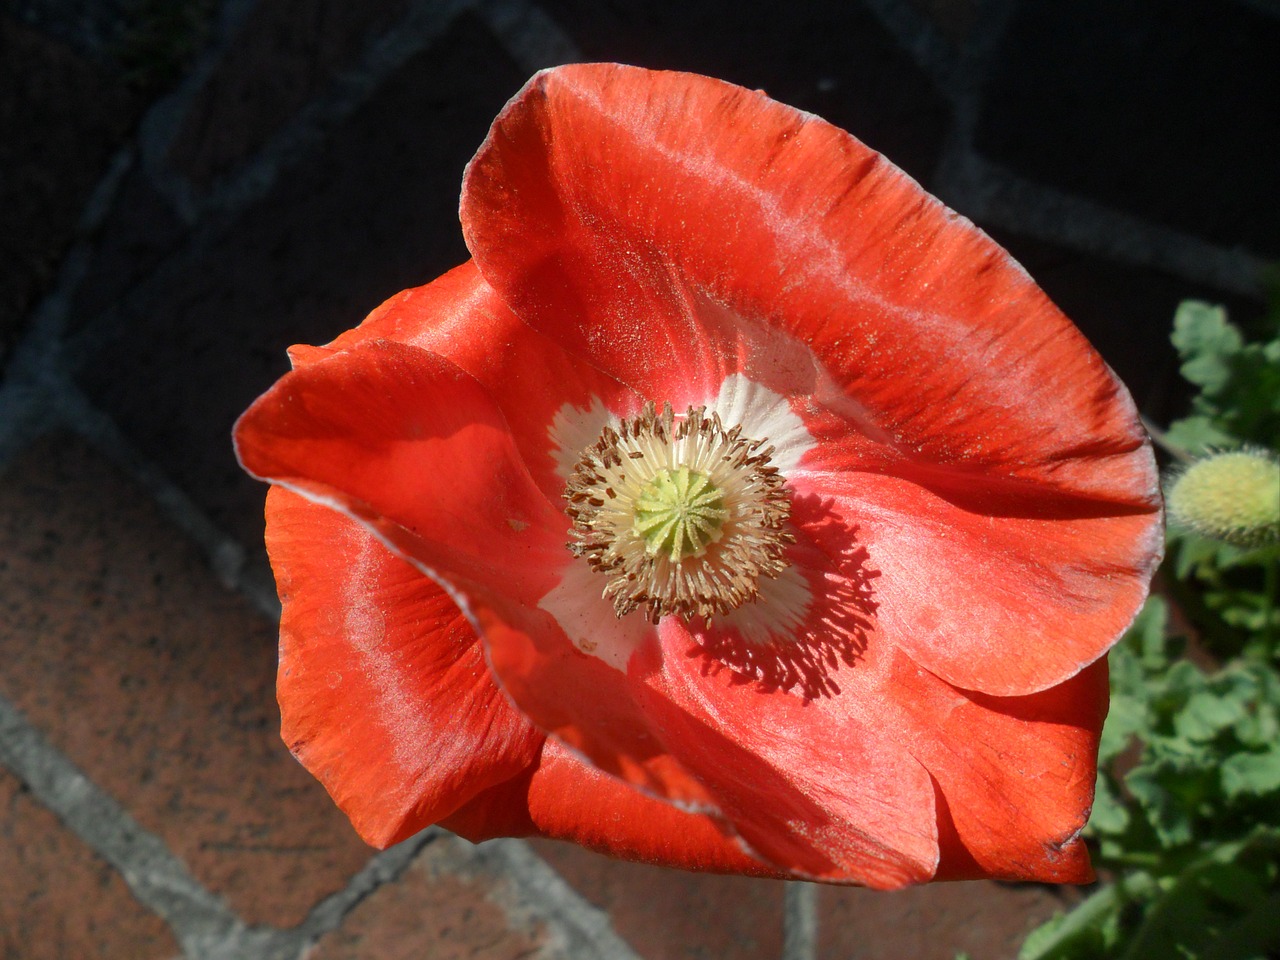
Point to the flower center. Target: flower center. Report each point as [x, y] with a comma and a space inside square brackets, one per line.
[682, 515]
[679, 512]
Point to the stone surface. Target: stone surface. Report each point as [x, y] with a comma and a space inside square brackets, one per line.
[140, 231]
[122, 648]
[831, 57]
[373, 212]
[285, 54]
[58, 899]
[984, 919]
[673, 915]
[432, 911]
[1166, 109]
[52, 153]
[952, 18]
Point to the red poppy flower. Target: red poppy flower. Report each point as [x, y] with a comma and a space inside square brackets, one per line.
[737, 507]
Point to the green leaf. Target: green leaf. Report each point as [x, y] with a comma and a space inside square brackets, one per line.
[1206, 715]
[1167, 813]
[1255, 935]
[1109, 814]
[1148, 632]
[1209, 895]
[1188, 913]
[1251, 773]
[1206, 341]
[1198, 435]
[1128, 718]
[1092, 928]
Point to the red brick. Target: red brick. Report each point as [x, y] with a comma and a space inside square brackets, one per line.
[669, 914]
[58, 898]
[987, 920]
[431, 912]
[120, 645]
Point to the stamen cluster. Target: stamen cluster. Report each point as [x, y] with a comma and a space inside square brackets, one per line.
[683, 515]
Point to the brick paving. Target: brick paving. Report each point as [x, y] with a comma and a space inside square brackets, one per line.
[168, 237]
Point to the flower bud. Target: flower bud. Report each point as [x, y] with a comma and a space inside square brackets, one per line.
[1232, 496]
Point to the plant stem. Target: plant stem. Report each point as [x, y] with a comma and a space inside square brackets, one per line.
[1162, 441]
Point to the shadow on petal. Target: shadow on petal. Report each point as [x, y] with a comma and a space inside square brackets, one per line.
[828, 632]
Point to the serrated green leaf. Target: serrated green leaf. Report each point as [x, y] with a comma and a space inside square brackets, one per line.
[1166, 813]
[1183, 679]
[1198, 435]
[1200, 327]
[1200, 556]
[1109, 814]
[1251, 773]
[1127, 719]
[1206, 341]
[1260, 726]
[1206, 715]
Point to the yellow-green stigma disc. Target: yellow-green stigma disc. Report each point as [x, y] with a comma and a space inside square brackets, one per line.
[679, 513]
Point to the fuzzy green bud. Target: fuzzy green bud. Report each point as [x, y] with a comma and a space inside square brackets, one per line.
[1233, 497]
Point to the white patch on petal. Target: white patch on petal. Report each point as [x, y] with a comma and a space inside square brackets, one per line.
[577, 601]
[578, 604]
[573, 429]
[777, 614]
[763, 414]
[364, 625]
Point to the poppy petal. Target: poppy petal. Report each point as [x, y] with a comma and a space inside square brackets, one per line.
[673, 229]
[410, 444]
[413, 448]
[808, 791]
[1007, 595]
[564, 798]
[606, 198]
[531, 379]
[384, 693]
[1016, 773]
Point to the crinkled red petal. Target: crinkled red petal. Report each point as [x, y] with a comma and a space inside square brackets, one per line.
[670, 229]
[567, 799]
[1006, 782]
[807, 790]
[993, 590]
[1015, 774]
[384, 692]
[528, 376]
[415, 449]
